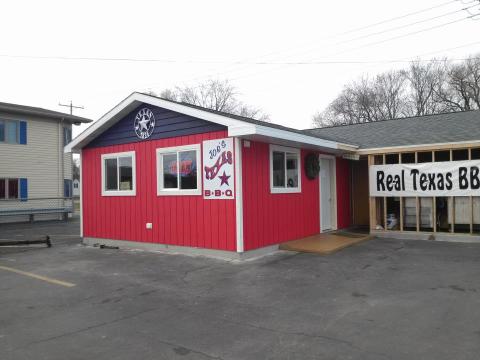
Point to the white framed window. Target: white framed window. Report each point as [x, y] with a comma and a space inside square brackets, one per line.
[178, 170]
[118, 174]
[285, 175]
[9, 189]
[9, 131]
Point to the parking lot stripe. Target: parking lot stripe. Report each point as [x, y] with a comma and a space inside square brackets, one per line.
[39, 277]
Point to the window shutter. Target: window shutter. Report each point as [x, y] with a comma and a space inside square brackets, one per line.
[67, 188]
[23, 189]
[23, 132]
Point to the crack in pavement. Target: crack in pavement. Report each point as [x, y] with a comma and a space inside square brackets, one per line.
[173, 345]
[188, 272]
[314, 336]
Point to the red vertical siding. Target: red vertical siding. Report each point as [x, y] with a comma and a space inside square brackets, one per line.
[177, 220]
[343, 193]
[274, 218]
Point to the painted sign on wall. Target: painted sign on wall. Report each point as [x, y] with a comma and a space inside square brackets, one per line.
[218, 173]
[452, 178]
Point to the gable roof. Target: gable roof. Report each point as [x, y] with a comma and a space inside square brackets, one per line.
[419, 130]
[237, 125]
[36, 111]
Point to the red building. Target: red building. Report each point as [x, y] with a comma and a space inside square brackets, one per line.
[159, 174]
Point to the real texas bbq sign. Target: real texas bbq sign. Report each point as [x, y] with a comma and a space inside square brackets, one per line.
[453, 178]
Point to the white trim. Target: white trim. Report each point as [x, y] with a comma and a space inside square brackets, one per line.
[285, 190]
[132, 192]
[417, 146]
[7, 190]
[239, 195]
[225, 255]
[6, 120]
[80, 193]
[333, 187]
[161, 191]
[235, 127]
[252, 129]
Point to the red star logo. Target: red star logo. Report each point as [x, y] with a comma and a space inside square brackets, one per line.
[224, 178]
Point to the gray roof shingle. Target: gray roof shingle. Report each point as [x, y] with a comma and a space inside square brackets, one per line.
[36, 111]
[429, 129]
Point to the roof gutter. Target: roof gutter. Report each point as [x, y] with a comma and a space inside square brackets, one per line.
[433, 146]
[259, 130]
[59, 116]
[235, 127]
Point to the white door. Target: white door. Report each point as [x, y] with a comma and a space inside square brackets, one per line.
[325, 194]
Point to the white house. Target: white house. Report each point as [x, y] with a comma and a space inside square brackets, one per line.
[35, 173]
[76, 188]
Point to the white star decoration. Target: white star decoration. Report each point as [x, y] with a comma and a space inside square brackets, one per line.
[144, 123]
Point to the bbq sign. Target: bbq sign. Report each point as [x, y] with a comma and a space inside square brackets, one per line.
[454, 178]
[218, 175]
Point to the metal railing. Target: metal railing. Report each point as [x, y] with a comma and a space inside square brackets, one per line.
[37, 206]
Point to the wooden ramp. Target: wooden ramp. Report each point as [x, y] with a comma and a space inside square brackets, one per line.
[325, 243]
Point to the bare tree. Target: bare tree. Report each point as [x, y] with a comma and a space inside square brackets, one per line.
[460, 88]
[367, 100]
[473, 80]
[422, 89]
[390, 92]
[423, 80]
[216, 95]
[169, 95]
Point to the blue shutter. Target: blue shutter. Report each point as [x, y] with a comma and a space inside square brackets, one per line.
[67, 188]
[64, 137]
[23, 189]
[23, 132]
[67, 136]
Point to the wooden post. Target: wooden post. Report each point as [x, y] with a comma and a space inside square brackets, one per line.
[372, 200]
[384, 203]
[417, 205]
[471, 197]
[452, 227]
[401, 197]
[434, 203]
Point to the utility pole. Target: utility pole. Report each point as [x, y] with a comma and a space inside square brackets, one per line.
[71, 106]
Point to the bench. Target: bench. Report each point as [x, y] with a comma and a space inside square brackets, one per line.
[37, 211]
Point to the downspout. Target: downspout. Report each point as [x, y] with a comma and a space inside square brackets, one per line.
[61, 162]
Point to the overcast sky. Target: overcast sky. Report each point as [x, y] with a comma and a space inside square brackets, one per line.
[197, 40]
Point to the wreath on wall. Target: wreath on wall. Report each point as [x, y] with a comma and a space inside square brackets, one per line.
[312, 166]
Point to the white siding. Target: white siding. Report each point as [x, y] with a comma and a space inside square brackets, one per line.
[41, 161]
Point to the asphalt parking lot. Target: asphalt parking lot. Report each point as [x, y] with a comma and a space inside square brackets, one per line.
[382, 299]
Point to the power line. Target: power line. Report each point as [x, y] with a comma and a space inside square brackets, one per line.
[128, 59]
[287, 63]
[374, 33]
[408, 25]
[313, 62]
[399, 17]
[229, 70]
[71, 106]
[418, 31]
[373, 43]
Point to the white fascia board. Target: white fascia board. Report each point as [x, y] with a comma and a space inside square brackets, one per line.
[235, 127]
[76, 144]
[137, 98]
[251, 129]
